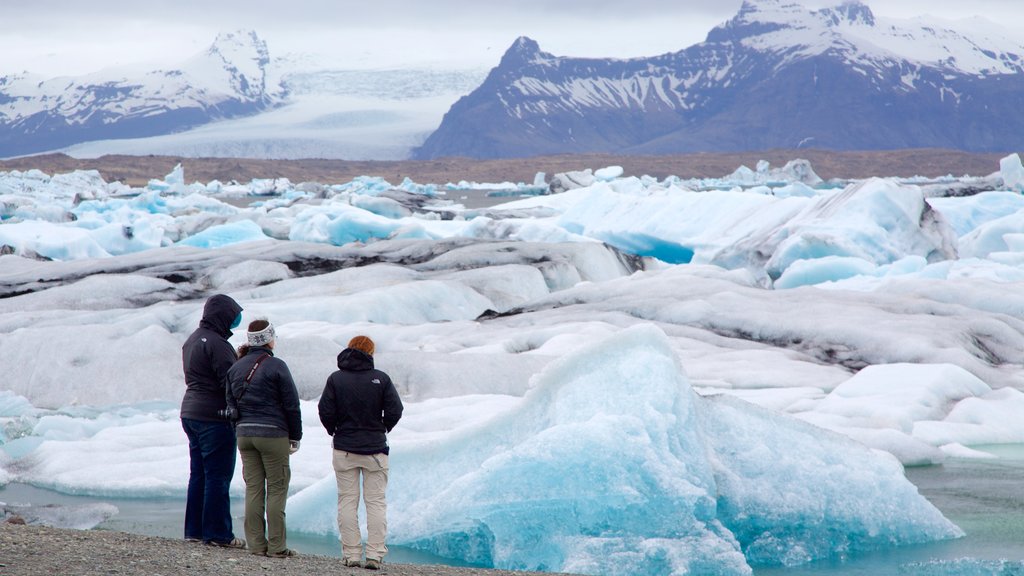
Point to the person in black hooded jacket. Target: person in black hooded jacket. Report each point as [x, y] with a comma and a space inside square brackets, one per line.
[206, 357]
[358, 407]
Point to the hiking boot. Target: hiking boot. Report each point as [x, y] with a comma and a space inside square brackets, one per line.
[234, 543]
[286, 553]
[352, 563]
[373, 564]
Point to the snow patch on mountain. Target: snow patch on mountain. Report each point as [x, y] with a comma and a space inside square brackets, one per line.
[976, 46]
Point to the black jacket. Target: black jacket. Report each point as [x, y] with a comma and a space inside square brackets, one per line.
[206, 357]
[268, 406]
[359, 405]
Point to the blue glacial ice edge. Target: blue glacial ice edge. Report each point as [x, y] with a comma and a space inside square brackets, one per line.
[611, 464]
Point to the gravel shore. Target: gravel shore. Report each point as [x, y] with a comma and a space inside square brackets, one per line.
[38, 550]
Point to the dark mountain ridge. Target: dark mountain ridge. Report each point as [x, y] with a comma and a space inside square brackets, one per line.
[774, 76]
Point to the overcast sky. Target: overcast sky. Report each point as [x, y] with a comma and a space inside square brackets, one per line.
[71, 37]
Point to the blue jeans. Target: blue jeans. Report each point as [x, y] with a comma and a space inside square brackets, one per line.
[211, 448]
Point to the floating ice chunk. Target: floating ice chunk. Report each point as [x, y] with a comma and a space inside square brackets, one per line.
[370, 185]
[800, 170]
[876, 220]
[407, 303]
[743, 175]
[1012, 171]
[338, 223]
[600, 468]
[820, 270]
[881, 406]
[958, 450]
[75, 516]
[612, 465]
[795, 190]
[226, 234]
[608, 173]
[248, 274]
[791, 492]
[380, 206]
[965, 214]
[898, 395]
[58, 242]
[92, 348]
[994, 236]
[131, 451]
[99, 292]
[119, 239]
[12, 404]
[173, 183]
[674, 228]
[269, 186]
[505, 286]
[991, 419]
[571, 180]
[176, 177]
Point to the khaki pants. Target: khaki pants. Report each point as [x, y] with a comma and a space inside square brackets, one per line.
[374, 471]
[266, 473]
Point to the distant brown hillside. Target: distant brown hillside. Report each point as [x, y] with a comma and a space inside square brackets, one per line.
[137, 170]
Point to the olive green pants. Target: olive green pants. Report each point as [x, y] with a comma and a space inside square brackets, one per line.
[266, 473]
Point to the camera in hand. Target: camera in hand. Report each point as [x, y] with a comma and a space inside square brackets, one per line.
[228, 413]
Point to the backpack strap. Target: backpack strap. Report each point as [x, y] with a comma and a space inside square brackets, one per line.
[252, 372]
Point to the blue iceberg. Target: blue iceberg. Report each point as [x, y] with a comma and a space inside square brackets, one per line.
[612, 464]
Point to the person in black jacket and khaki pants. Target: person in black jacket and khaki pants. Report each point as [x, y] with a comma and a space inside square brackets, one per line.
[358, 407]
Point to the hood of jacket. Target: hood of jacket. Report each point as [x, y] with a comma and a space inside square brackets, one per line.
[219, 314]
[352, 359]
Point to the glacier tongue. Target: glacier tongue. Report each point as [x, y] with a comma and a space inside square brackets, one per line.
[611, 464]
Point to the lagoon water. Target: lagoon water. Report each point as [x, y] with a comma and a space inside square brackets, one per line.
[984, 497]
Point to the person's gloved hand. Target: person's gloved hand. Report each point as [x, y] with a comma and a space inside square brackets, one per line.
[293, 446]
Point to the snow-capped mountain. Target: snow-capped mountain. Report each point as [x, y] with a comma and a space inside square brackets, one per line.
[230, 79]
[777, 75]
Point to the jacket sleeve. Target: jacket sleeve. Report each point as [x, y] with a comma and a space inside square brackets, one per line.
[392, 406]
[229, 396]
[290, 403]
[326, 408]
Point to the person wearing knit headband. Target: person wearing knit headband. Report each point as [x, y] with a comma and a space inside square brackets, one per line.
[261, 337]
[269, 427]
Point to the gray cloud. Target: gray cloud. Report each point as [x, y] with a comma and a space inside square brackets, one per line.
[86, 36]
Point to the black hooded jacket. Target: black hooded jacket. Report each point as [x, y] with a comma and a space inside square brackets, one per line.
[206, 357]
[359, 405]
[268, 405]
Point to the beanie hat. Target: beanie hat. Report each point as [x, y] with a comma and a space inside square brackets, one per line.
[363, 344]
[261, 337]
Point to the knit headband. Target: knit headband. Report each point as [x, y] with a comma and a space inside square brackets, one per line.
[263, 337]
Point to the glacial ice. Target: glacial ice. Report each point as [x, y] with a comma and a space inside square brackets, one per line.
[1012, 171]
[737, 391]
[80, 516]
[612, 464]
